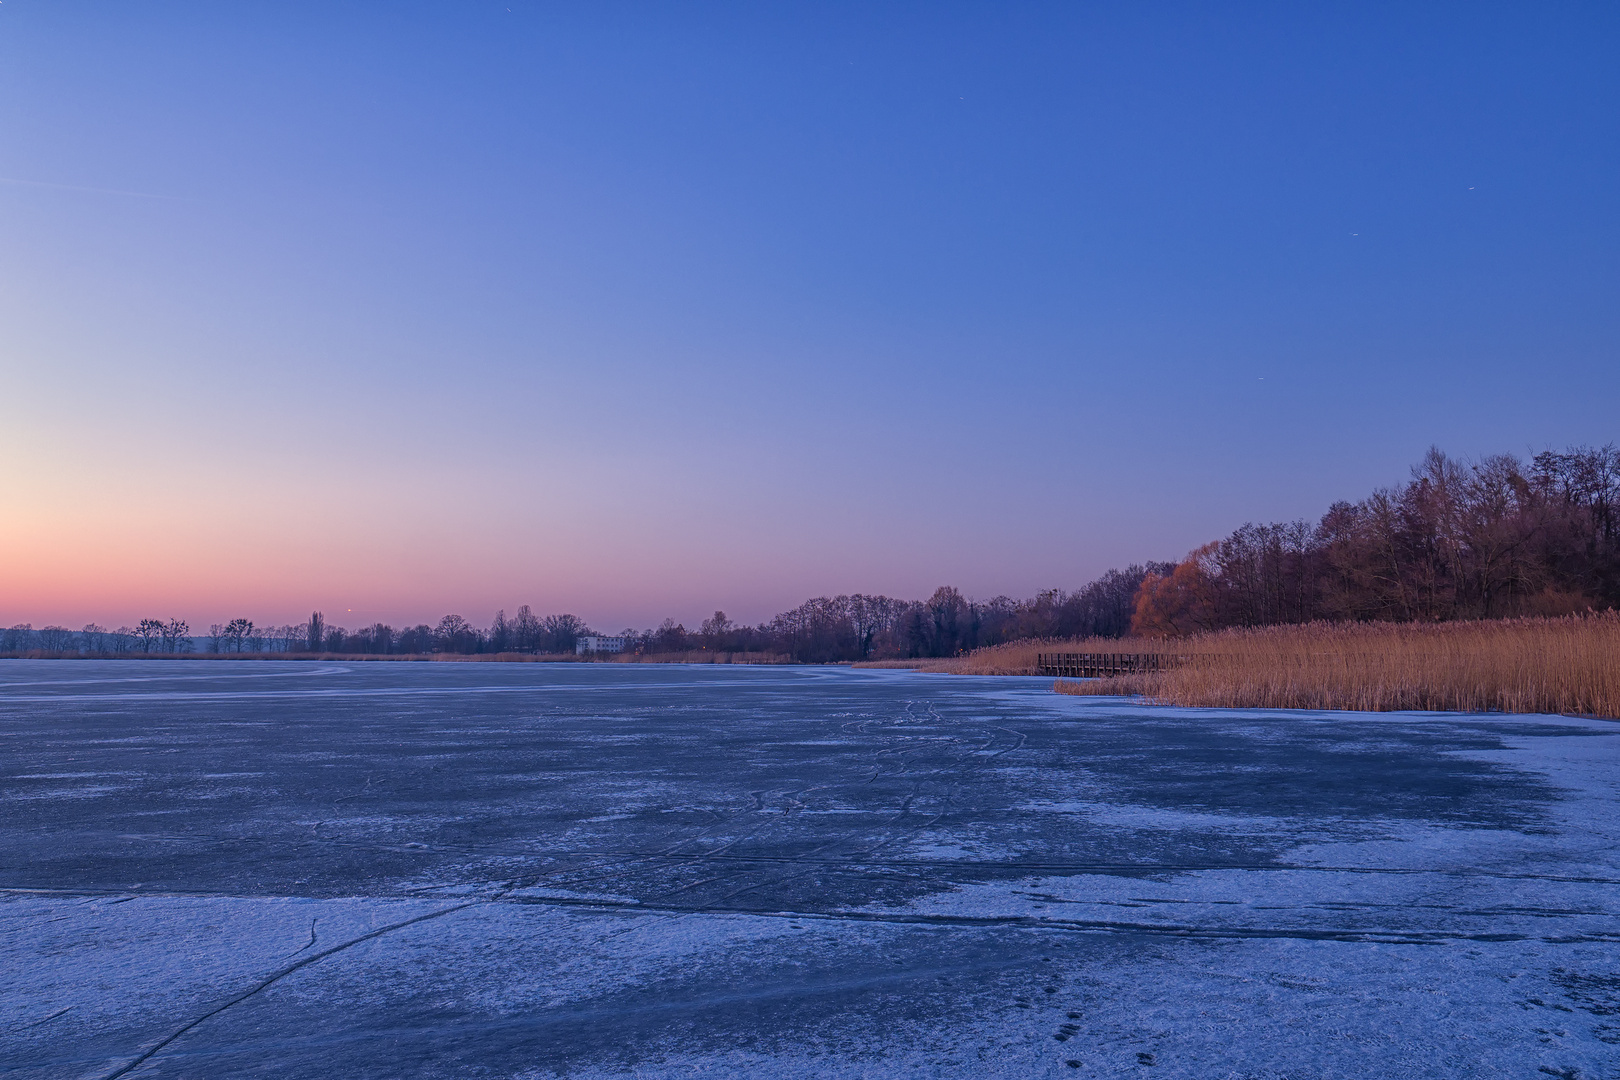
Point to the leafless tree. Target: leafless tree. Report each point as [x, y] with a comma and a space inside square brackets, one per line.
[236, 633]
[527, 632]
[57, 639]
[176, 636]
[149, 635]
[714, 631]
[500, 634]
[559, 633]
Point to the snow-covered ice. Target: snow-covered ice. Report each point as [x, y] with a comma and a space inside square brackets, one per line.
[220, 869]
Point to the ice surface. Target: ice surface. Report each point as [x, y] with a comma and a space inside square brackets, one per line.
[233, 869]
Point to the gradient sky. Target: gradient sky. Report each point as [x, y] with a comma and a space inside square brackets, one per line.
[636, 310]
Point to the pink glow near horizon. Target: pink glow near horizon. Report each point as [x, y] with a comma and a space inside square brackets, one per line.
[465, 309]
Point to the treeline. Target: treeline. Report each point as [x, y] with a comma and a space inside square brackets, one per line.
[164, 637]
[826, 629]
[823, 630]
[1500, 538]
[946, 624]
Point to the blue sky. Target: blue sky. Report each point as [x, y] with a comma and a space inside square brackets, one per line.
[644, 310]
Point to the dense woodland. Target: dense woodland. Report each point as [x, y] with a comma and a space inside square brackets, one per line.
[1499, 538]
[1495, 539]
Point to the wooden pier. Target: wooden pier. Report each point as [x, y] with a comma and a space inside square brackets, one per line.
[1101, 665]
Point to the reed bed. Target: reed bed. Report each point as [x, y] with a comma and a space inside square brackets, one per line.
[1549, 665]
[949, 664]
[1018, 657]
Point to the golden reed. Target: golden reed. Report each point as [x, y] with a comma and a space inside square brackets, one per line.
[1552, 665]
[1019, 657]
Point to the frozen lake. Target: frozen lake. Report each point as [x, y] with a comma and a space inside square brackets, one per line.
[219, 869]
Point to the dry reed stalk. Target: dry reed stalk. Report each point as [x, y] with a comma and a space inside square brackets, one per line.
[1018, 657]
[1143, 685]
[936, 665]
[1546, 665]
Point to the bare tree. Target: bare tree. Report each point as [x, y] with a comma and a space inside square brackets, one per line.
[455, 634]
[562, 632]
[57, 639]
[379, 638]
[416, 639]
[148, 635]
[176, 636]
[527, 631]
[714, 631]
[500, 633]
[236, 633]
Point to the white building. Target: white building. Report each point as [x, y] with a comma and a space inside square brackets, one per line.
[596, 643]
